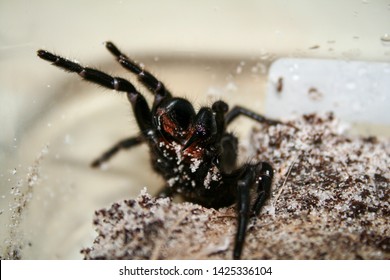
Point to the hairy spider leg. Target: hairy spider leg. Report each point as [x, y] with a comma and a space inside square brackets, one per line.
[238, 110]
[229, 154]
[121, 145]
[250, 176]
[266, 174]
[145, 77]
[139, 105]
[246, 180]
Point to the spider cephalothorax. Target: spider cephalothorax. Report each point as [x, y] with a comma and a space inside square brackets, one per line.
[191, 150]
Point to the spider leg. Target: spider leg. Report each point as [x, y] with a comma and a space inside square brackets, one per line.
[145, 77]
[265, 174]
[123, 144]
[227, 143]
[140, 107]
[260, 174]
[244, 184]
[238, 110]
[228, 158]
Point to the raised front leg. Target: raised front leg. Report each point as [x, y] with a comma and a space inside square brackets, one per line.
[145, 77]
[140, 107]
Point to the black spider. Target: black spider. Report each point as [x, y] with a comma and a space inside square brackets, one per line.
[191, 150]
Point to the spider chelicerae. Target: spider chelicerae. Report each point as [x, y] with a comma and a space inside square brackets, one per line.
[191, 150]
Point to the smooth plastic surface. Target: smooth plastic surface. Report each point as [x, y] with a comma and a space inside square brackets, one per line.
[355, 91]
